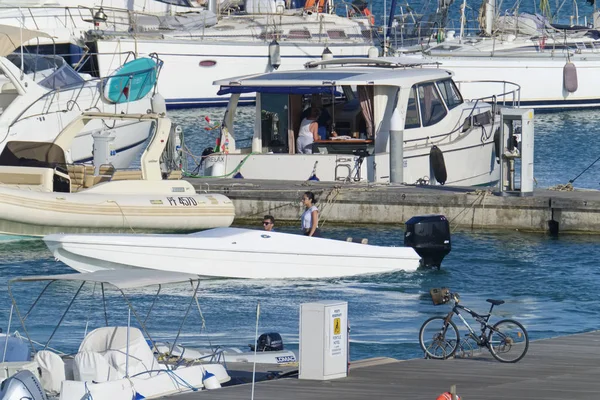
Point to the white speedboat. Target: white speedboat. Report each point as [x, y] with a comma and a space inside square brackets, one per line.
[42, 191]
[112, 362]
[231, 253]
[446, 139]
[40, 95]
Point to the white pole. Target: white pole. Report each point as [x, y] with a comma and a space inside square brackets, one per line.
[7, 332]
[384, 28]
[255, 349]
[127, 348]
[462, 20]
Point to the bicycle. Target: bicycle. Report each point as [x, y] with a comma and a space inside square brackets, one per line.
[507, 340]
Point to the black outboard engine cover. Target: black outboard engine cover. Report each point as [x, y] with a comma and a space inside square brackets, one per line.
[429, 235]
[271, 341]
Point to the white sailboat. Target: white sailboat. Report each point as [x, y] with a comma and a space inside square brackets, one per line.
[257, 41]
[555, 66]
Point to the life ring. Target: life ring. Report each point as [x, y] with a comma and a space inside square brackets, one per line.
[437, 165]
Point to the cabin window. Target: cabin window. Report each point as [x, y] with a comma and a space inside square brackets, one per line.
[412, 113]
[431, 104]
[450, 93]
[336, 34]
[299, 34]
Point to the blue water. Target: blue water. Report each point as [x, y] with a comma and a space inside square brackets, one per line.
[549, 284]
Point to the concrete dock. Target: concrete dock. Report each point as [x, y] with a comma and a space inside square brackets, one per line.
[554, 369]
[576, 211]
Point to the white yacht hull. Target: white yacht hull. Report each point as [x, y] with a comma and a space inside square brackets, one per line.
[539, 76]
[184, 83]
[466, 166]
[231, 253]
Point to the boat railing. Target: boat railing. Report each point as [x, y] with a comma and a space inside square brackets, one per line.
[509, 95]
[51, 101]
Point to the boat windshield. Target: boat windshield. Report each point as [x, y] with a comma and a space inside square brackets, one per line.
[49, 71]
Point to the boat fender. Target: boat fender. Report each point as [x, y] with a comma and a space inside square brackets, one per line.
[158, 104]
[210, 381]
[437, 165]
[497, 144]
[274, 54]
[570, 77]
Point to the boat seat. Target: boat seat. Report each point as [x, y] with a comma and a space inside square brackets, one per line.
[91, 366]
[8, 88]
[177, 174]
[51, 370]
[78, 174]
[127, 174]
[82, 176]
[111, 343]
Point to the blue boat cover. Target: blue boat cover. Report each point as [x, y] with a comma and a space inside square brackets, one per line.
[132, 81]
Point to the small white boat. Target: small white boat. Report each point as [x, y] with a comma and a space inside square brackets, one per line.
[269, 350]
[231, 253]
[112, 362]
[42, 192]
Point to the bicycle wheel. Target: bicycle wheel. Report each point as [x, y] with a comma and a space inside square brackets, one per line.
[508, 341]
[439, 339]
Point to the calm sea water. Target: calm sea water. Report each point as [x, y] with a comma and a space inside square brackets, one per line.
[548, 283]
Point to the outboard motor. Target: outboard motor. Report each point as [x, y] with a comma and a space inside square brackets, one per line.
[429, 235]
[22, 385]
[271, 341]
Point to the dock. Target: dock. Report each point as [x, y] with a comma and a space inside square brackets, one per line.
[572, 211]
[554, 369]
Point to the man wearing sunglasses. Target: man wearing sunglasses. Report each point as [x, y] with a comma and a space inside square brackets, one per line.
[268, 222]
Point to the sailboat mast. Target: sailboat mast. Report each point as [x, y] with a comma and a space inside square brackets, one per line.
[490, 11]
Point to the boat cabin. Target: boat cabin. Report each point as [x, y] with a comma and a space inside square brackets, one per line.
[355, 103]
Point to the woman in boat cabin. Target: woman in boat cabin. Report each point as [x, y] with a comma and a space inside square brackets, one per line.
[309, 132]
[310, 216]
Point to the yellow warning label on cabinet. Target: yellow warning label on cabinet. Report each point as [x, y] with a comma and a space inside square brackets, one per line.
[337, 326]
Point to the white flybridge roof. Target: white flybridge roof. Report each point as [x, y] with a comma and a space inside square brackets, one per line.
[121, 279]
[359, 71]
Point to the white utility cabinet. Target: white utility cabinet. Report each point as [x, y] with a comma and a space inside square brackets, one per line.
[323, 340]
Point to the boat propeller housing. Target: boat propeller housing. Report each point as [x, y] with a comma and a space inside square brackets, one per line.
[429, 235]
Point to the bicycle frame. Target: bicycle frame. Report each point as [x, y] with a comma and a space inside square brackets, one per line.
[483, 320]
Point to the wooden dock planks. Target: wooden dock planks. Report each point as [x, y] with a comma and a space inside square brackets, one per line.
[560, 368]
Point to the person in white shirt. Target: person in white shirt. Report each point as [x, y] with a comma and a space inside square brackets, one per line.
[310, 216]
[309, 132]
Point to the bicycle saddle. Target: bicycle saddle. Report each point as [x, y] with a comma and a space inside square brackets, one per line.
[495, 302]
